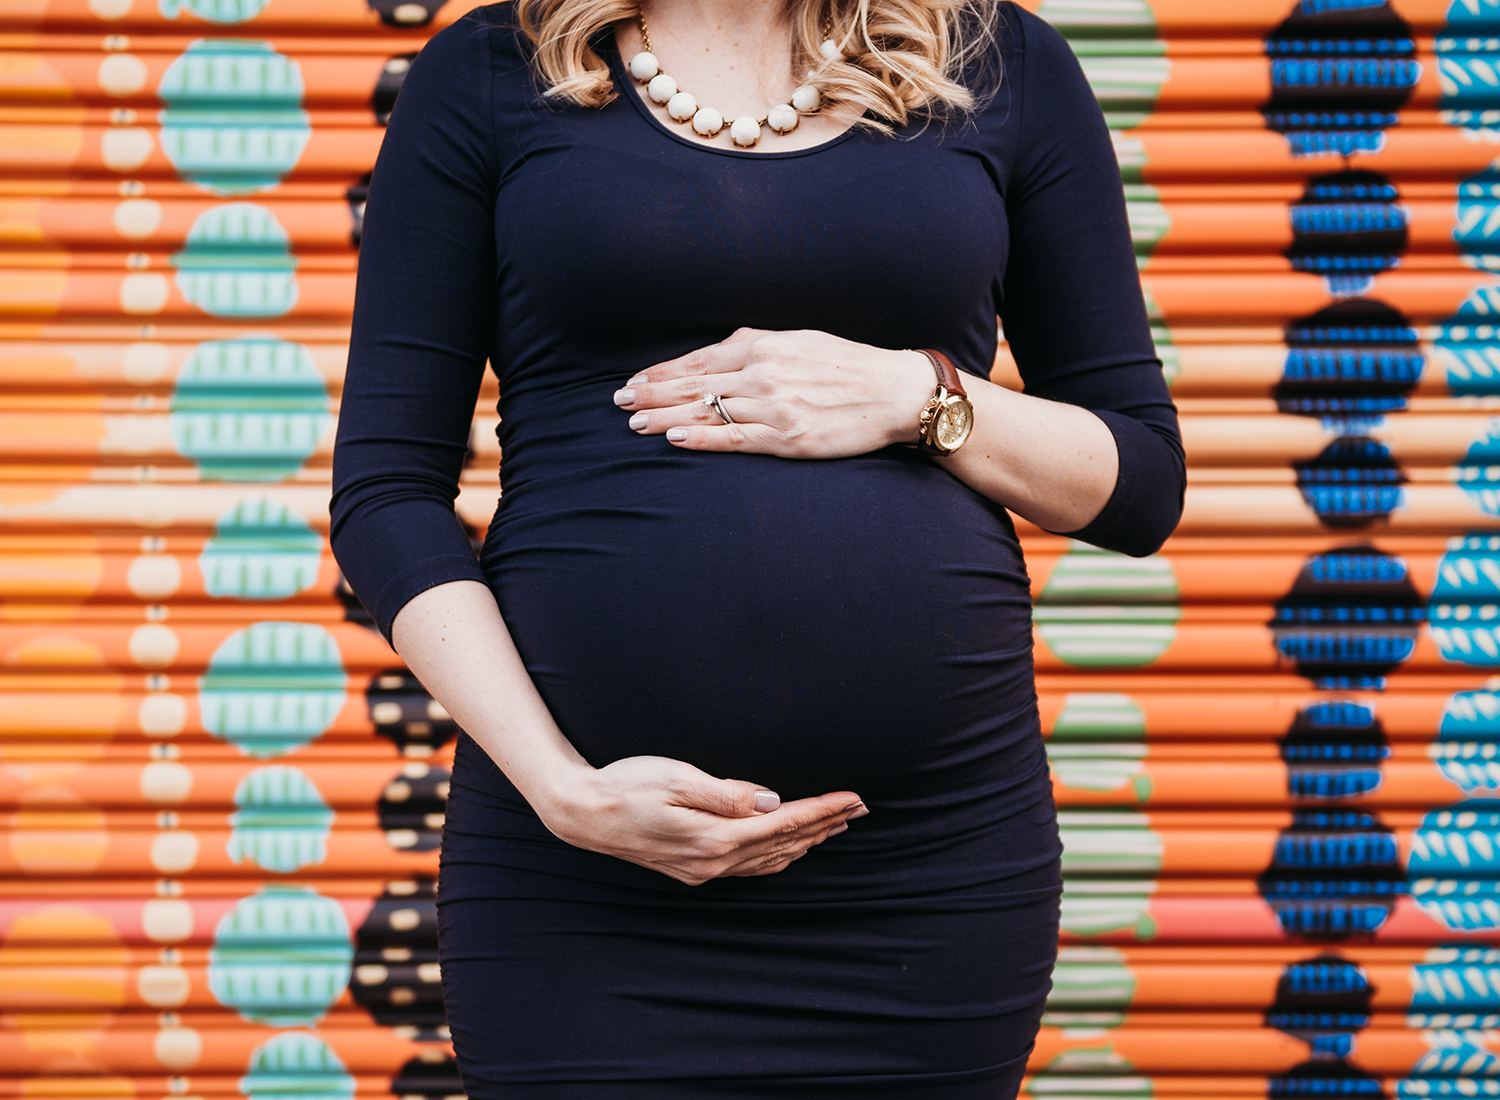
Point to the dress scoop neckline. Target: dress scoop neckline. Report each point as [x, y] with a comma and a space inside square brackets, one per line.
[627, 88]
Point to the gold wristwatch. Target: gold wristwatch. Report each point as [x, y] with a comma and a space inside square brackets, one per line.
[949, 417]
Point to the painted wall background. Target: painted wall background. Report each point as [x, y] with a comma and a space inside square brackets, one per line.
[221, 794]
[1276, 744]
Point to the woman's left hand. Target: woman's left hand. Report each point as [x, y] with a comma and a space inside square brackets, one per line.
[795, 394]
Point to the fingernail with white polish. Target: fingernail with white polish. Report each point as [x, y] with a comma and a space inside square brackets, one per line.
[637, 380]
[766, 801]
[624, 397]
[638, 421]
[676, 435]
[837, 829]
[863, 809]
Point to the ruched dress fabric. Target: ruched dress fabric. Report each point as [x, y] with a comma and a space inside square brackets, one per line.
[859, 623]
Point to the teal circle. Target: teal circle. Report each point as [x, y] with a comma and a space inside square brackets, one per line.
[236, 262]
[1471, 17]
[282, 957]
[1466, 634]
[249, 410]
[1458, 841]
[1456, 1056]
[1471, 716]
[282, 822]
[1463, 610]
[260, 550]
[214, 11]
[296, 1066]
[1469, 571]
[273, 687]
[234, 122]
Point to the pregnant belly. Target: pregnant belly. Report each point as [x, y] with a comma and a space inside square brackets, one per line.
[859, 623]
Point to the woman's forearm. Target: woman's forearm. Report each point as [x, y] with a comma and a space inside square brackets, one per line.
[454, 640]
[809, 394]
[1052, 463]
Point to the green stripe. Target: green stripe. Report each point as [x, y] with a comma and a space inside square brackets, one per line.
[1107, 645]
[1111, 851]
[1149, 223]
[1100, 18]
[1085, 575]
[1127, 83]
[1093, 716]
[1091, 977]
[1107, 48]
[1058, 1086]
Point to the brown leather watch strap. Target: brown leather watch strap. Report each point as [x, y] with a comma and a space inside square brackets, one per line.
[947, 373]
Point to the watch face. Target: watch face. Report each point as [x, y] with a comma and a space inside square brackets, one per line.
[955, 419]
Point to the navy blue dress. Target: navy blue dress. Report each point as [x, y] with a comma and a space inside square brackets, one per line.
[859, 623]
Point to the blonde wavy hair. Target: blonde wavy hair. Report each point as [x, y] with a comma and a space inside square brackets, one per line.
[901, 58]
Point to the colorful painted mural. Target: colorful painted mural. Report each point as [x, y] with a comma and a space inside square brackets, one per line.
[1275, 745]
[221, 794]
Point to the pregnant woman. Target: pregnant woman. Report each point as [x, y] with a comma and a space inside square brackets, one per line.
[752, 799]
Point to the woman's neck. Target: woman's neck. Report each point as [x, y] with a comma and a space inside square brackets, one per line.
[747, 26]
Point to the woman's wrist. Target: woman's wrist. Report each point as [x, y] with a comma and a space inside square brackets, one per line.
[913, 381]
[561, 790]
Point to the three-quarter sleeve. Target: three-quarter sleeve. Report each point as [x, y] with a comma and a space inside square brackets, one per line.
[1073, 311]
[424, 317]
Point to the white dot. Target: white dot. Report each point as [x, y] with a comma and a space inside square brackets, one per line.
[145, 363]
[144, 292]
[166, 920]
[177, 1047]
[153, 645]
[126, 147]
[163, 986]
[174, 851]
[122, 74]
[162, 714]
[136, 219]
[166, 782]
[110, 9]
[154, 576]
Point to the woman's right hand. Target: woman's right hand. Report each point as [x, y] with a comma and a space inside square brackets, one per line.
[671, 817]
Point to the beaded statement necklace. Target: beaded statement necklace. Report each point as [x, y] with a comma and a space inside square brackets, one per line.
[744, 131]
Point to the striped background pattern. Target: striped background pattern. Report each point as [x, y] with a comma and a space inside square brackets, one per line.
[1275, 745]
[221, 794]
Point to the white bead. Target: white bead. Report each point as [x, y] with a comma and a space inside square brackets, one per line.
[682, 106]
[744, 131]
[643, 66]
[830, 50]
[661, 88]
[708, 121]
[807, 99]
[782, 118]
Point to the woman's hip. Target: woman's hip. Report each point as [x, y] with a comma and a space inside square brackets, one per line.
[942, 991]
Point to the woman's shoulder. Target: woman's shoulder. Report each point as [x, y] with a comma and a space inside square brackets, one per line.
[1021, 35]
[1030, 64]
[485, 37]
[466, 72]
[1012, 50]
